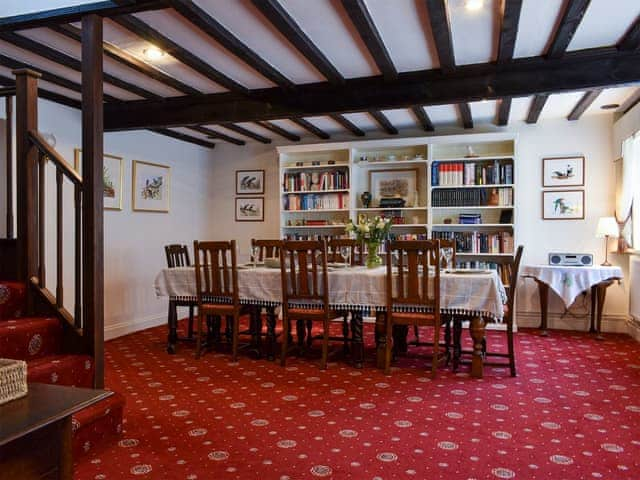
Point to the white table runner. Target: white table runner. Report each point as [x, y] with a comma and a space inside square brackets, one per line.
[569, 282]
[349, 288]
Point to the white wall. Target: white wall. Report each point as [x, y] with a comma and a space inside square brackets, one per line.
[133, 240]
[591, 137]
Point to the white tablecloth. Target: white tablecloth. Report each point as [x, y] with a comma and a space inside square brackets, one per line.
[569, 282]
[349, 288]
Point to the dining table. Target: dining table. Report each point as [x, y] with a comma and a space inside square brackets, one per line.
[476, 294]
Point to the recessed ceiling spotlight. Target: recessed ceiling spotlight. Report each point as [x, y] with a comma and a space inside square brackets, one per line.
[609, 106]
[153, 53]
[473, 5]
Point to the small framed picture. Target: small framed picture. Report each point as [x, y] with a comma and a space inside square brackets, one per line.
[150, 187]
[250, 182]
[395, 183]
[250, 209]
[113, 176]
[563, 171]
[563, 205]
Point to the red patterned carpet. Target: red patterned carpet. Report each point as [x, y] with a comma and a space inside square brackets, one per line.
[572, 413]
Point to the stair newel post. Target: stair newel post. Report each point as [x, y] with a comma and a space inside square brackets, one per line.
[8, 107]
[27, 178]
[92, 201]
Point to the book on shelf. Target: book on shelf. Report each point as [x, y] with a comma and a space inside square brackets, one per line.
[453, 174]
[503, 269]
[478, 242]
[408, 236]
[480, 197]
[310, 236]
[309, 182]
[315, 201]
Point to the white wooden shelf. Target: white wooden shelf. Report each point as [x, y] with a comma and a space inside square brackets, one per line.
[293, 227]
[371, 209]
[494, 185]
[408, 225]
[327, 210]
[471, 207]
[315, 167]
[483, 158]
[377, 163]
[471, 225]
[467, 254]
[303, 192]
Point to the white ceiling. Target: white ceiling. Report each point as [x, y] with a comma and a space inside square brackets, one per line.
[403, 25]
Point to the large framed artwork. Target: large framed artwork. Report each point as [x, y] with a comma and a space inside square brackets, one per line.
[249, 182]
[112, 174]
[563, 171]
[151, 186]
[250, 209]
[394, 184]
[563, 204]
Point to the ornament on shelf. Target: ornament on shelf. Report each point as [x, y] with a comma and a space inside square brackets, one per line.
[366, 199]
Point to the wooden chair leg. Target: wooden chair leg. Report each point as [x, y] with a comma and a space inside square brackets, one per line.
[447, 339]
[416, 332]
[436, 349]
[286, 328]
[345, 332]
[199, 335]
[235, 335]
[325, 344]
[388, 347]
[512, 357]
[190, 331]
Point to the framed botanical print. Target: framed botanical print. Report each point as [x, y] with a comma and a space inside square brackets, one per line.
[563, 205]
[563, 171]
[112, 174]
[249, 182]
[394, 183]
[151, 186]
[250, 209]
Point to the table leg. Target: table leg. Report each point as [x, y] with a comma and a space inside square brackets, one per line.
[381, 338]
[477, 331]
[271, 333]
[301, 331]
[457, 346]
[172, 320]
[356, 338]
[65, 461]
[594, 302]
[543, 292]
[400, 333]
[602, 293]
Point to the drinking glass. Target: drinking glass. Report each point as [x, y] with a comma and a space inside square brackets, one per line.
[448, 255]
[255, 251]
[345, 253]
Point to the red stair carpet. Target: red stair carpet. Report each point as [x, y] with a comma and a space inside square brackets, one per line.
[38, 340]
[572, 413]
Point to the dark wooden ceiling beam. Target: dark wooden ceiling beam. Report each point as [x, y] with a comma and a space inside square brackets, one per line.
[423, 118]
[183, 137]
[247, 133]
[75, 13]
[279, 131]
[584, 103]
[125, 58]
[278, 16]
[573, 12]
[504, 110]
[509, 22]
[205, 22]
[181, 54]
[631, 39]
[347, 124]
[361, 18]
[310, 127]
[576, 71]
[441, 30]
[536, 107]
[383, 121]
[464, 110]
[216, 135]
[630, 102]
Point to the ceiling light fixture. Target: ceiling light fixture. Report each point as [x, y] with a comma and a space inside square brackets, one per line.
[473, 5]
[153, 53]
[610, 106]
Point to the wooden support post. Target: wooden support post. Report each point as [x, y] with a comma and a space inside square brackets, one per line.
[8, 107]
[27, 177]
[92, 212]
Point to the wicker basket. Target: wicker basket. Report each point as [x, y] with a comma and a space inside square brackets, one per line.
[13, 379]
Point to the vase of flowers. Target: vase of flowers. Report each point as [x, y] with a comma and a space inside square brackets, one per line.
[372, 232]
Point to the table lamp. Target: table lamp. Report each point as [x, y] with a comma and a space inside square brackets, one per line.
[607, 227]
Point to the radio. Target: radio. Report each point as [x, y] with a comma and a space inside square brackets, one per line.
[571, 259]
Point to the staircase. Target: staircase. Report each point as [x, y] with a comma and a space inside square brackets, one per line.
[39, 341]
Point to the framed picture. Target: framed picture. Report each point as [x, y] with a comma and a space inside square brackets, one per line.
[151, 185]
[250, 209]
[113, 175]
[249, 182]
[396, 183]
[563, 205]
[563, 171]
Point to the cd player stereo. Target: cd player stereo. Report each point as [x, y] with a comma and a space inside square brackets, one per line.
[571, 259]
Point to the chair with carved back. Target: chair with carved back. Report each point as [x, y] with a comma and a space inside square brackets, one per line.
[217, 287]
[413, 291]
[509, 273]
[305, 292]
[267, 248]
[178, 256]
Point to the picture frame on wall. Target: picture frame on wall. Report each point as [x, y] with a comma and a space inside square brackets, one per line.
[563, 205]
[563, 171]
[394, 183]
[150, 187]
[250, 209]
[249, 182]
[112, 174]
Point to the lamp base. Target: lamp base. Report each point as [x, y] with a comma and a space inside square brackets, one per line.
[605, 264]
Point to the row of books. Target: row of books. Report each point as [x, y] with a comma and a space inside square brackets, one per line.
[471, 173]
[479, 242]
[313, 201]
[503, 269]
[454, 197]
[310, 236]
[306, 181]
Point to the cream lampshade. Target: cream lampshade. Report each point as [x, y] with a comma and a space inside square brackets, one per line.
[607, 227]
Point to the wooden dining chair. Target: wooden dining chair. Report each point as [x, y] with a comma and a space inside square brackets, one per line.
[217, 287]
[413, 291]
[305, 291]
[178, 256]
[268, 248]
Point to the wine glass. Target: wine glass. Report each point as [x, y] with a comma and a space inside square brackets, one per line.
[255, 251]
[345, 253]
[448, 255]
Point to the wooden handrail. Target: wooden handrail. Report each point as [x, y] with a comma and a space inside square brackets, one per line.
[42, 145]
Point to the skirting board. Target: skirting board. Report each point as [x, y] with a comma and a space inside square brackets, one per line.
[610, 323]
[633, 326]
[124, 328]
